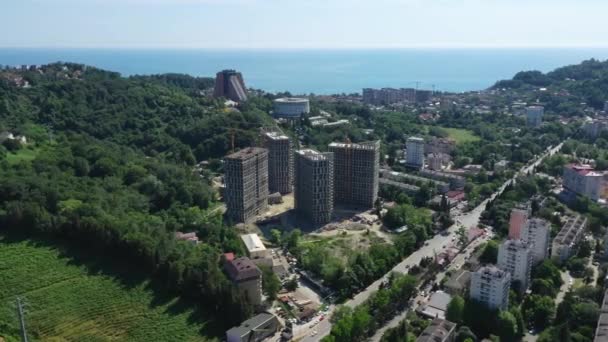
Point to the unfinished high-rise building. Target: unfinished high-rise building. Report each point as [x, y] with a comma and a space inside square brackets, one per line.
[356, 168]
[280, 162]
[246, 179]
[313, 185]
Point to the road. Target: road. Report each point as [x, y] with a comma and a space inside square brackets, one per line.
[435, 244]
[458, 261]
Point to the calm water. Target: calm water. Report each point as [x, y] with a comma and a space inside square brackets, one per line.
[324, 71]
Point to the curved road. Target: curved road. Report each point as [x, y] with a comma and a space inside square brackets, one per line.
[428, 250]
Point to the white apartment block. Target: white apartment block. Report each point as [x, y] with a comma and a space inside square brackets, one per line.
[490, 286]
[515, 257]
[415, 152]
[537, 232]
[583, 180]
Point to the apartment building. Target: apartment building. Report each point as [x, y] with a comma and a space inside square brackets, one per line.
[280, 162]
[246, 181]
[490, 286]
[247, 277]
[356, 173]
[537, 232]
[563, 246]
[534, 116]
[519, 217]
[515, 257]
[415, 152]
[583, 180]
[313, 186]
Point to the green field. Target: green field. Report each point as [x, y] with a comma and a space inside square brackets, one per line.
[461, 136]
[24, 154]
[70, 300]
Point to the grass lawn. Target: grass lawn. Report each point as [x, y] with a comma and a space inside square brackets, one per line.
[461, 136]
[74, 298]
[24, 154]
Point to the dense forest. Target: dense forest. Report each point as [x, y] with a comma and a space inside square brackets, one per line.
[587, 81]
[108, 164]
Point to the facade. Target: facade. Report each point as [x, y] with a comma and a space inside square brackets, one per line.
[290, 107]
[515, 257]
[439, 145]
[313, 186]
[534, 115]
[594, 127]
[440, 330]
[537, 232]
[261, 326]
[356, 173]
[519, 217]
[415, 152]
[435, 161]
[456, 182]
[280, 162]
[246, 179]
[583, 180]
[388, 96]
[490, 286]
[230, 84]
[601, 332]
[247, 277]
[571, 233]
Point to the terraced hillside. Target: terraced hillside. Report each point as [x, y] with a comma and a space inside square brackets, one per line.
[70, 301]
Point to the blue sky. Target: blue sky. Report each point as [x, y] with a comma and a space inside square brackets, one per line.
[303, 23]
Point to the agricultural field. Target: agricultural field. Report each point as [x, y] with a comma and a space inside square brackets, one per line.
[74, 299]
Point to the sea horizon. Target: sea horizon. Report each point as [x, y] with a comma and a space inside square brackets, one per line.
[323, 71]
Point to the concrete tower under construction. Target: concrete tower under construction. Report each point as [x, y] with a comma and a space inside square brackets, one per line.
[356, 168]
[246, 179]
[230, 84]
[313, 186]
[280, 162]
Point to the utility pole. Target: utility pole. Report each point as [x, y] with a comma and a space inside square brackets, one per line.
[21, 320]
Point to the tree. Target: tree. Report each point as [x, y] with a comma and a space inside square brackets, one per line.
[293, 239]
[292, 284]
[270, 282]
[519, 318]
[463, 238]
[455, 310]
[490, 253]
[275, 236]
[464, 333]
[539, 310]
[507, 327]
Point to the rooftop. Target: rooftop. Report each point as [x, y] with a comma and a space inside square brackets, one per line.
[242, 269]
[493, 271]
[246, 153]
[438, 331]
[253, 242]
[251, 324]
[357, 146]
[570, 230]
[291, 100]
[276, 136]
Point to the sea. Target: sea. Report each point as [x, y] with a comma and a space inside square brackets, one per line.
[324, 72]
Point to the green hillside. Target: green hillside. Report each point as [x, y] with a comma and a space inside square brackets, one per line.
[85, 300]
